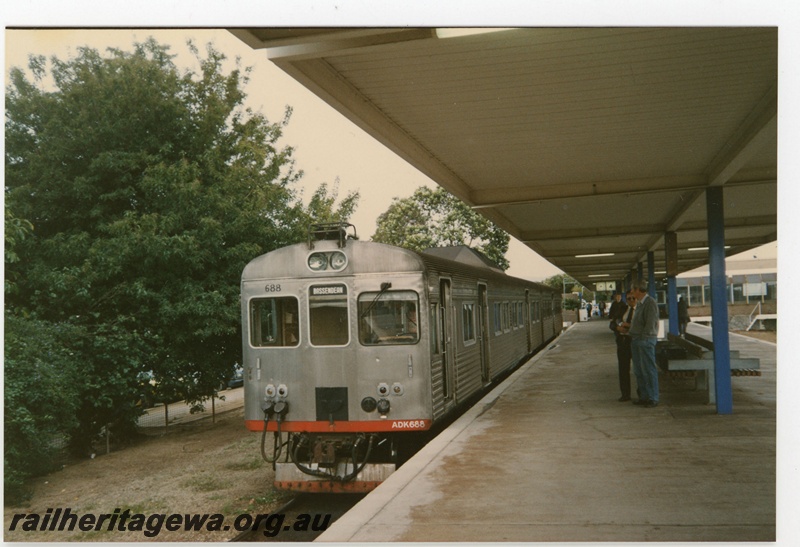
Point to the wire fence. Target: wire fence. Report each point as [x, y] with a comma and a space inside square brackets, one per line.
[162, 417]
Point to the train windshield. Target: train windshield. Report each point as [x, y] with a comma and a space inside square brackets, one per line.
[327, 308]
[274, 322]
[388, 318]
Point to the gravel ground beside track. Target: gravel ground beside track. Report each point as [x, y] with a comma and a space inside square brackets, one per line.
[198, 468]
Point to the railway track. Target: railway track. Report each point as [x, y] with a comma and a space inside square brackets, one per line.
[301, 519]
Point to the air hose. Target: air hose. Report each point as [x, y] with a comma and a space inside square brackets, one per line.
[277, 446]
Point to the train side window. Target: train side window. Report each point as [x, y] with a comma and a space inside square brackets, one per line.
[434, 328]
[327, 315]
[468, 322]
[498, 321]
[274, 322]
[388, 318]
[535, 313]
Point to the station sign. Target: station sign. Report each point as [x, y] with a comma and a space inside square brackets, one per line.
[606, 286]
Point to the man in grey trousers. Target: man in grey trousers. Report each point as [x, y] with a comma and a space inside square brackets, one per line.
[644, 332]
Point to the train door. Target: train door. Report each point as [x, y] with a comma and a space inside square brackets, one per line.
[445, 333]
[527, 319]
[483, 331]
[541, 316]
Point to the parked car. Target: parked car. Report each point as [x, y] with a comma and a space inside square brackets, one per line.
[147, 389]
[237, 378]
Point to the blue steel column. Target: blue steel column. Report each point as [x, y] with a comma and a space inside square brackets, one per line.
[651, 274]
[719, 299]
[671, 250]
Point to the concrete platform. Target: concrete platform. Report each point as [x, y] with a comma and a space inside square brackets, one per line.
[551, 455]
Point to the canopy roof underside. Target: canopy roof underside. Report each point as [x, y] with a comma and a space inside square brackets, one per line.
[577, 141]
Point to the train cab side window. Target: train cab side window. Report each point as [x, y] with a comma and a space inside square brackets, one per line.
[274, 322]
[388, 318]
[328, 316]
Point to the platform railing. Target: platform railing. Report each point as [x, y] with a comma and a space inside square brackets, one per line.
[754, 316]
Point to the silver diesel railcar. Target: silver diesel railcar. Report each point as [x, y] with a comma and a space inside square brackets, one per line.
[351, 345]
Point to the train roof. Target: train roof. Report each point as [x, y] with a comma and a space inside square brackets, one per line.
[436, 261]
[465, 255]
[372, 257]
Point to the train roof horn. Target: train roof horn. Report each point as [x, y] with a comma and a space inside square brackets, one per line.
[331, 231]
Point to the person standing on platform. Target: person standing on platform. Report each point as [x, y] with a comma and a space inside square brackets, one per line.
[621, 316]
[643, 332]
[683, 315]
[614, 311]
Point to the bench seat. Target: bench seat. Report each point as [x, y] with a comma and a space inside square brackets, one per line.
[699, 363]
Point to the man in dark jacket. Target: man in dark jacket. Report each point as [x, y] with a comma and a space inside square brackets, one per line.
[617, 307]
[621, 315]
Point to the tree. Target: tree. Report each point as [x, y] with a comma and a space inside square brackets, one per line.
[322, 207]
[564, 283]
[567, 284]
[16, 230]
[41, 397]
[435, 218]
[147, 189]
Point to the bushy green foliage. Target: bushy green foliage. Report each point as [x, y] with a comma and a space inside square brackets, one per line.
[435, 218]
[564, 283]
[137, 193]
[42, 375]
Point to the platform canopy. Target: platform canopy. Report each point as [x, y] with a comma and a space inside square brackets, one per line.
[577, 141]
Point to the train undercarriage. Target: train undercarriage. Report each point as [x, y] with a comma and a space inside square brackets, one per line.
[328, 462]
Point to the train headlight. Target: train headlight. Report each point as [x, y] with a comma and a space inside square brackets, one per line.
[383, 407]
[383, 389]
[368, 404]
[338, 260]
[269, 391]
[397, 388]
[318, 262]
[283, 391]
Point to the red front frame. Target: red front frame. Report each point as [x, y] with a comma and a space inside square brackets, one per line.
[372, 426]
